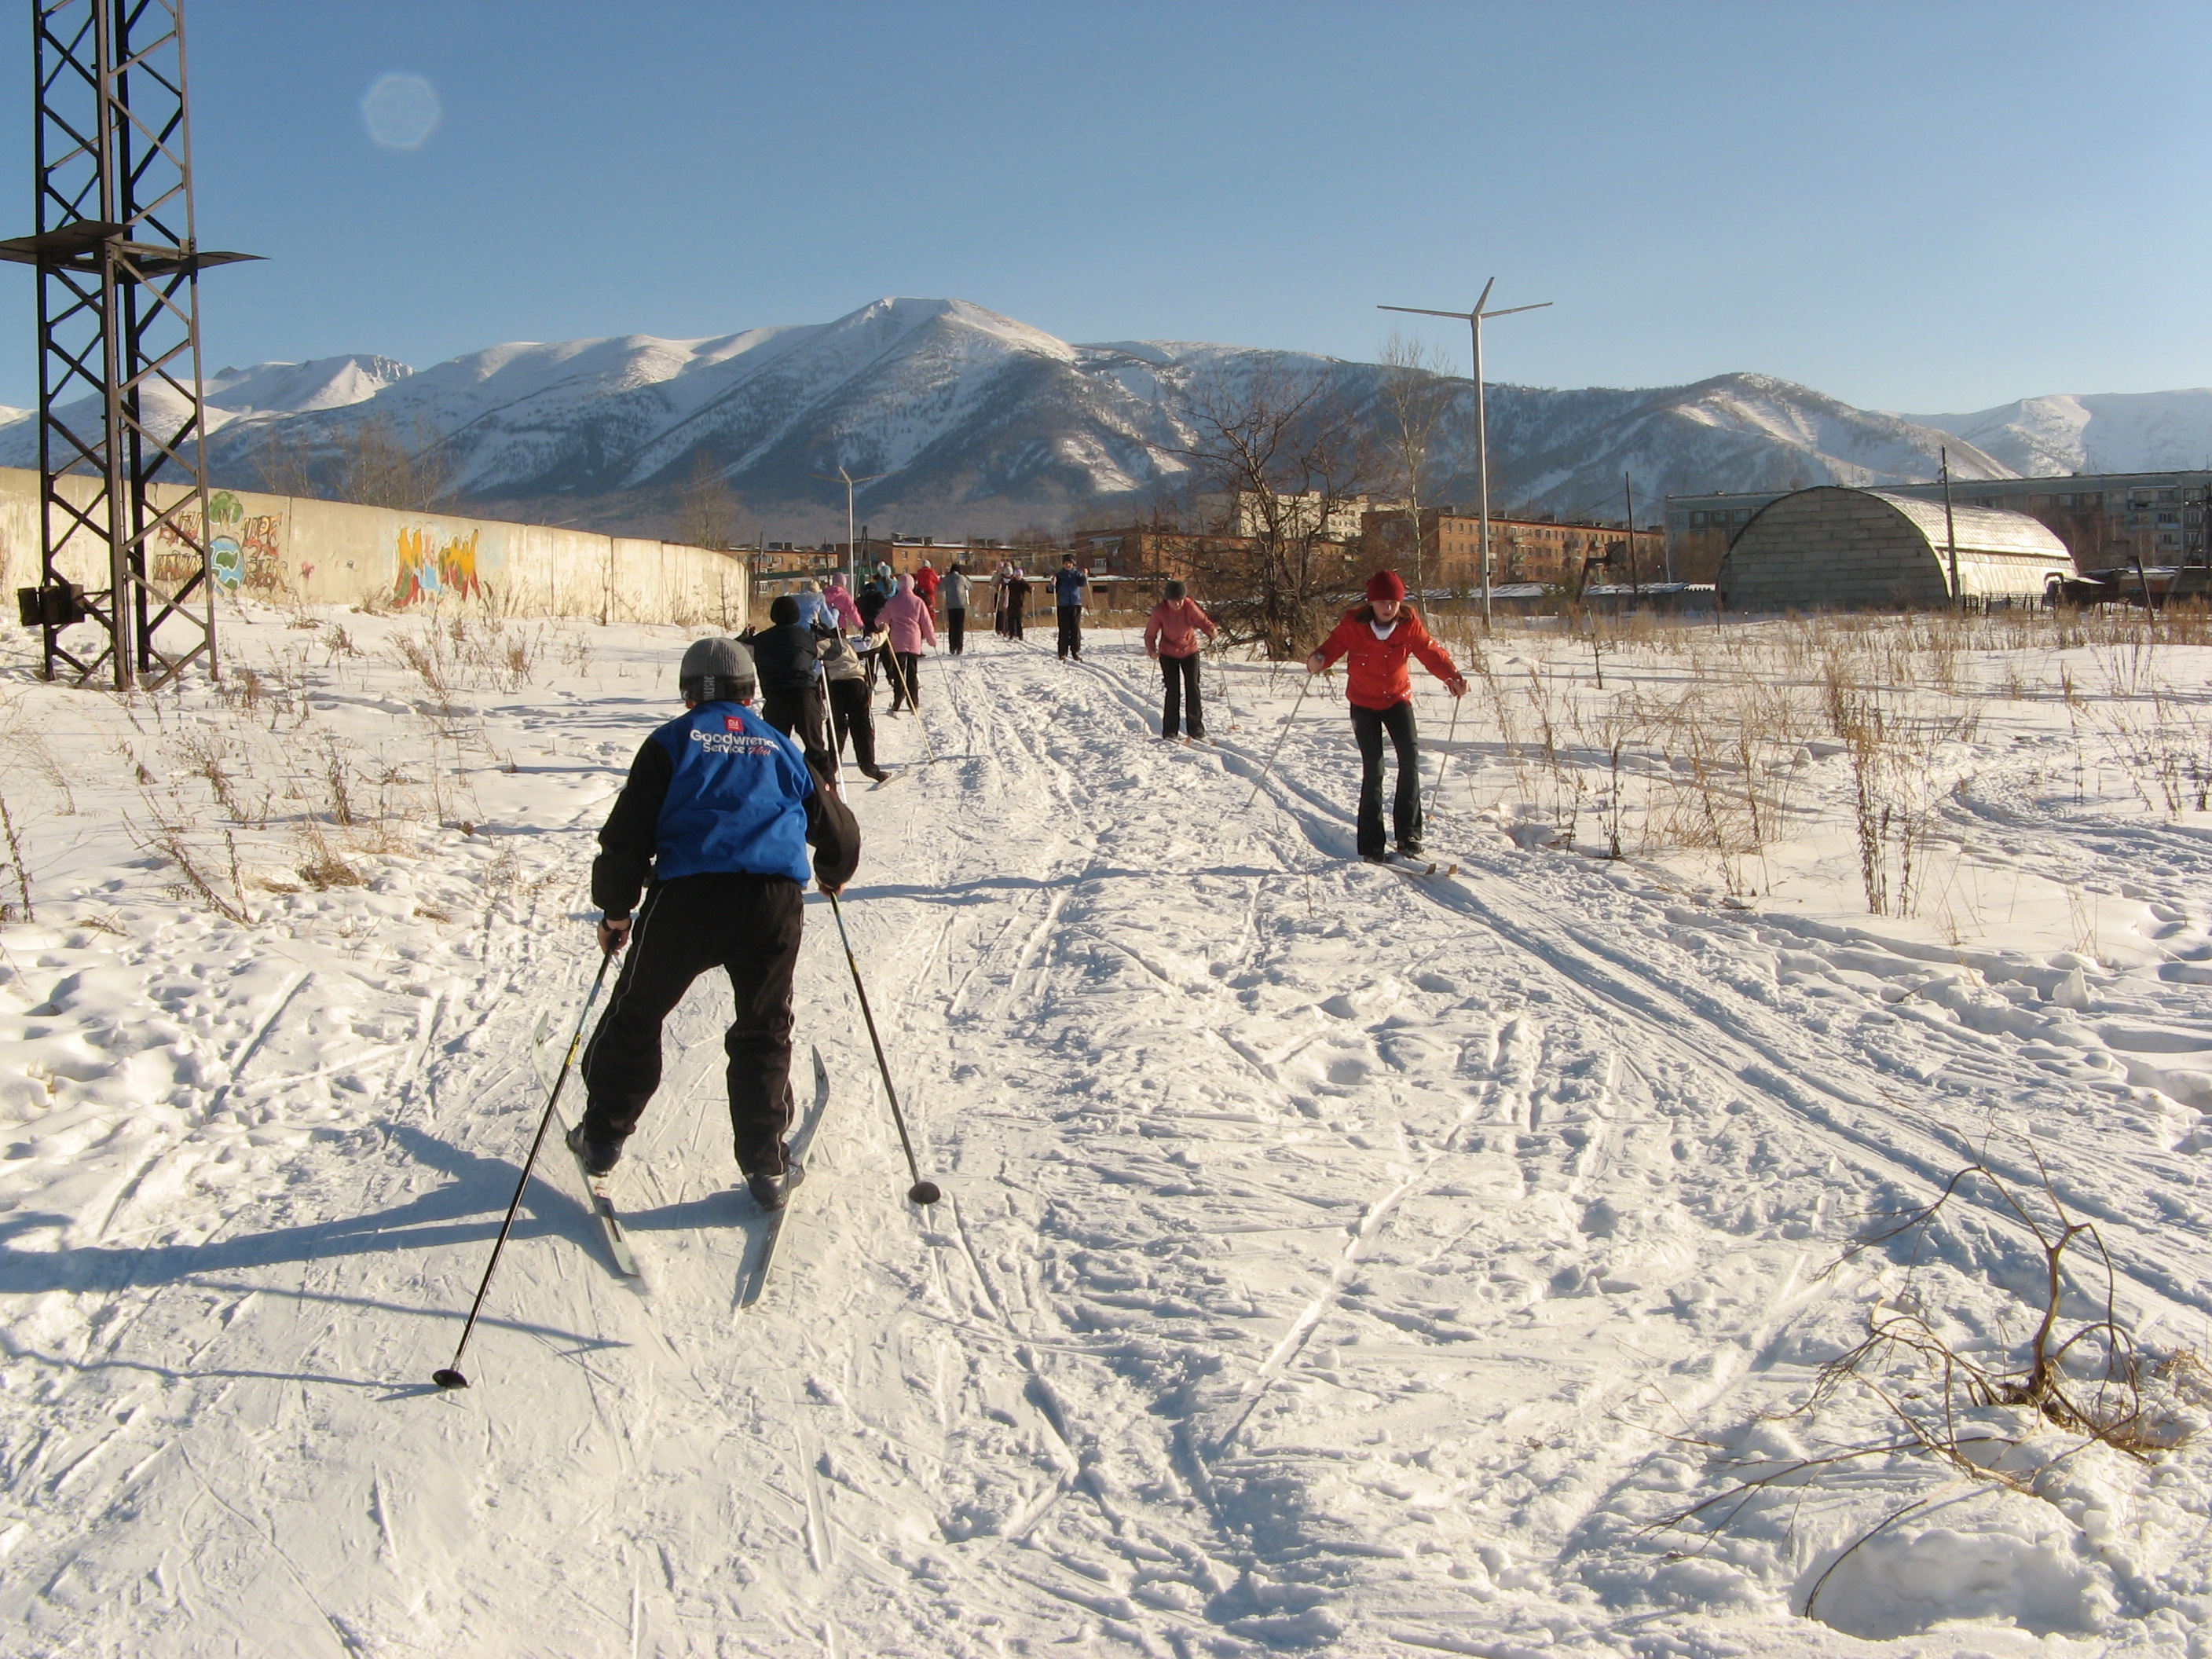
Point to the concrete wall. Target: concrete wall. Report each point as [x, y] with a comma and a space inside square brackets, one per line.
[1830, 548]
[286, 549]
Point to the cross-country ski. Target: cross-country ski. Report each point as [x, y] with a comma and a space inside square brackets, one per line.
[753, 1279]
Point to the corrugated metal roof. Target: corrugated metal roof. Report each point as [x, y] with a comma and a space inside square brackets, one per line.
[1979, 529]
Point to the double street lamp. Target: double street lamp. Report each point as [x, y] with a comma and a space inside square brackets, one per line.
[852, 547]
[1474, 320]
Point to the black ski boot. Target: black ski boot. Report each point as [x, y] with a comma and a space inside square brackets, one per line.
[772, 1192]
[598, 1158]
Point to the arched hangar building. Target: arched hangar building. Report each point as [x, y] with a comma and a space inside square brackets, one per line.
[1834, 548]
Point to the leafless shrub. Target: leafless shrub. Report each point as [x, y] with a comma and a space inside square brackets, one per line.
[166, 841]
[2075, 1375]
[16, 864]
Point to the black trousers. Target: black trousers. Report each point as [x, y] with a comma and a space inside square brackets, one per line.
[1013, 619]
[800, 714]
[1368, 725]
[956, 627]
[749, 927]
[906, 680]
[850, 715]
[1181, 675]
[1071, 630]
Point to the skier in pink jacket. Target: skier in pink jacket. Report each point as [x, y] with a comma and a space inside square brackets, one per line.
[911, 628]
[840, 600]
[1171, 636]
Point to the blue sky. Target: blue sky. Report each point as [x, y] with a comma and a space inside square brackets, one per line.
[1929, 207]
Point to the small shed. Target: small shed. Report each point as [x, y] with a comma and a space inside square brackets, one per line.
[1839, 547]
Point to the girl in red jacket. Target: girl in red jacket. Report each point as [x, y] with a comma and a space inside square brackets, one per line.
[1378, 637]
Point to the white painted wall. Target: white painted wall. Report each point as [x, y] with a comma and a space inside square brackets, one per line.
[285, 549]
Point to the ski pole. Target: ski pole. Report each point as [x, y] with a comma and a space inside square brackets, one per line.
[898, 676]
[922, 1191]
[1278, 748]
[451, 1378]
[1445, 759]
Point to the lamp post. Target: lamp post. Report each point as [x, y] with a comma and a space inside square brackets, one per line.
[852, 547]
[1474, 319]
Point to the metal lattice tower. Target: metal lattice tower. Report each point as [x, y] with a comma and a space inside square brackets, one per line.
[120, 401]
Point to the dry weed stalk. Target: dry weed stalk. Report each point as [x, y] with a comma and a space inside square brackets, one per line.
[2086, 1378]
[16, 861]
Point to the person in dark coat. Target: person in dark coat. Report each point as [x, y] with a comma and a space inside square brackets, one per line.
[1067, 585]
[712, 827]
[787, 655]
[1018, 598]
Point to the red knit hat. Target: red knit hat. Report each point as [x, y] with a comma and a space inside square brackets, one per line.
[1384, 585]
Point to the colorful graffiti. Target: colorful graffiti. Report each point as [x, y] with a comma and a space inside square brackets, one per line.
[430, 568]
[243, 551]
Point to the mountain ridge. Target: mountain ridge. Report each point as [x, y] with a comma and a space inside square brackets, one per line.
[984, 423]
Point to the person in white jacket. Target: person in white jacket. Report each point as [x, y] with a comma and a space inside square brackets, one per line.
[955, 590]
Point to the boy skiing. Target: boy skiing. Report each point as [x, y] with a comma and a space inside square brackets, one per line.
[1378, 637]
[1067, 585]
[713, 825]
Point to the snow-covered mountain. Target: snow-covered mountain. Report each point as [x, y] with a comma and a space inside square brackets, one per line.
[2112, 432]
[978, 423]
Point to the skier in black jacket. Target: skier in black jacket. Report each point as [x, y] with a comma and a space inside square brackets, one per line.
[713, 825]
[787, 656]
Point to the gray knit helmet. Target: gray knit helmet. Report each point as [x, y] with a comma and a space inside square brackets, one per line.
[716, 670]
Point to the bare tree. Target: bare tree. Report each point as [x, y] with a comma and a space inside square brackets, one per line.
[282, 465]
[1415, 398]
[707, 508]
[376, 467]
[1291, 462]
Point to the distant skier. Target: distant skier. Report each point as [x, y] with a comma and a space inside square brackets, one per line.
[925, 585]
[845, 676]
[812, 607]
[1378, 637]
[911, 628]
[957, 584]
[1001, 581]
[787, 656]
[713, 825]
[840, 599]
[1018, 599]
[1171, 634]
[1067, 585]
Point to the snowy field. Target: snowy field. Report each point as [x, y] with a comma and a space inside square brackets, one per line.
[1332, 1259]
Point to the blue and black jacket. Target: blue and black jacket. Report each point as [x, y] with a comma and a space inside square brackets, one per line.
[720, 791]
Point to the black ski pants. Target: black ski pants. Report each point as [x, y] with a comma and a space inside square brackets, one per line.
[1368, 725]
[749, 927]
[955, 628]
[1181, 675]
[906, 680]
[800, 715]
[1071, 631]
[1013, 619]
[851, 716]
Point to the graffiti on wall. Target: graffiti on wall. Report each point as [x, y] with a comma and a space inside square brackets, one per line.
[432, 567]
[244, 550]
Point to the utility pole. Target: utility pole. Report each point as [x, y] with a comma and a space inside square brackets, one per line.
[1474, 319]
[1628, 495]
[119, 263]
[852, 546]
[1950, 531]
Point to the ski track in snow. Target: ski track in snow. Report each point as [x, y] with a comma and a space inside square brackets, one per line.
[1329, 1260]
